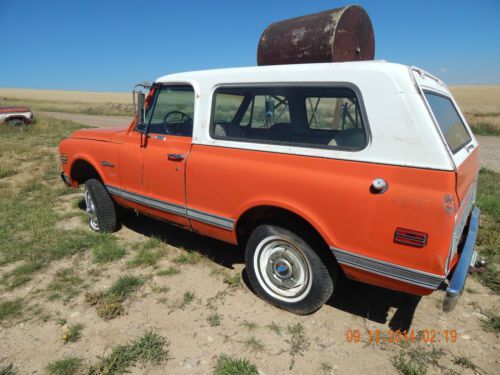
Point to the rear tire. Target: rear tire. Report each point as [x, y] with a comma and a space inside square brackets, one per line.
[285, 271]
[100, 207]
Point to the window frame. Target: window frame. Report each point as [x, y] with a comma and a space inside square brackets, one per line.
[158, 88]
[337, 85]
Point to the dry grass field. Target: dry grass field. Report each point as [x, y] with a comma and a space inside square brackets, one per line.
[154, 299]
[92, 103]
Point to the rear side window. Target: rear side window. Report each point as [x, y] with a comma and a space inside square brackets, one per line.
[304, 116]
[452, 126]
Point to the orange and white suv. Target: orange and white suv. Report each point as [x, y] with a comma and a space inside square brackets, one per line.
[365, 168]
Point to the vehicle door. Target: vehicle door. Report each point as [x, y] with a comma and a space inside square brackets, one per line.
[131, 154]
[166, 149]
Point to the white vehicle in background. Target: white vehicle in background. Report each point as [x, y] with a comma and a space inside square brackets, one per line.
[16, 116]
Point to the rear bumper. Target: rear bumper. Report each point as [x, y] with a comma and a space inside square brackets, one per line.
[457, 282]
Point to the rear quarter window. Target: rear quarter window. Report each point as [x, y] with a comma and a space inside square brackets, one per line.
[449, 121]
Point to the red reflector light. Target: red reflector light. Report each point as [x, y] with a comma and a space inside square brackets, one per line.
[410, 237]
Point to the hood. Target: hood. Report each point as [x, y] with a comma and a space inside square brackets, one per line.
[100, 134]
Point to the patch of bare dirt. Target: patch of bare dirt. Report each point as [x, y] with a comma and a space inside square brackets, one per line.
[195, 344]
[92, 120]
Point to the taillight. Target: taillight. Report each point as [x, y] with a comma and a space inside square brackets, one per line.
[410, 237]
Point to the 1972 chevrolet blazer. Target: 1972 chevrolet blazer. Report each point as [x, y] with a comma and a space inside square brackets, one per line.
[365, 168]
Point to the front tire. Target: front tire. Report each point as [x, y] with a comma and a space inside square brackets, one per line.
[285, 271]
[17, 122]
[100, 207]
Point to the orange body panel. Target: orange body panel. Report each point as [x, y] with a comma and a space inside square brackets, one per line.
[332, 195]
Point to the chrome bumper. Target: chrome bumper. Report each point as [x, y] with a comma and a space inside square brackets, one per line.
[65, 179]
[468, 256]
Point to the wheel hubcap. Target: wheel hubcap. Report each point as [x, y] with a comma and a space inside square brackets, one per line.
[282, 269]
[91, 211]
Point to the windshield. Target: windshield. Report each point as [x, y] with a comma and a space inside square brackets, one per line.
[452, 126]
[171, 111]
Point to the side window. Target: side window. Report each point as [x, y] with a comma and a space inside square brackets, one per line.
[333, 113]
[302, 116]
[266, 111]
[172, 111]
[452, 126]
[226, 106]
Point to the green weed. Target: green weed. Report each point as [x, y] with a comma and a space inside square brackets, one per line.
[298, 342]
[416, 361]
[491, 321]
[276, 328]
[108, 304]
[66, 366]
[149, 253]
[234, 366]
[72, 333]
[170, 271]
[9, 309]
[21, 274]
[254, 345]
[465, 362]
[150, 348]
[65, 285]
[8, 370]
[108, 250]
[251, 326]
[214, 319]
[488, 199]
[6, 171]
[484, 128]
[188, 257]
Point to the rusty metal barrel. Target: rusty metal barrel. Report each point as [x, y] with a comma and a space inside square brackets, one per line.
[342, 34]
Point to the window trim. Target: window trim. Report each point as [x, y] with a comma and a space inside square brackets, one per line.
[336, 85]
[464, 122]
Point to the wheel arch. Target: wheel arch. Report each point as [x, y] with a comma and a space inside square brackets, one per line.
[82, 170]
[288, 219]
[17, 117]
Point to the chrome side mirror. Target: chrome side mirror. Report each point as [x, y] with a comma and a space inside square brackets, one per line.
[139, 99]
[141, 107]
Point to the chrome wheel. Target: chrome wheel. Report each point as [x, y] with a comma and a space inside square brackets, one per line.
[91, 211]
[282, 269]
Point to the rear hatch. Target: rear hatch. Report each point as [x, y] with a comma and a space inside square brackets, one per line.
[460, 142]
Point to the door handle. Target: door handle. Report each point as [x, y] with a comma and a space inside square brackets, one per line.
[176, 157]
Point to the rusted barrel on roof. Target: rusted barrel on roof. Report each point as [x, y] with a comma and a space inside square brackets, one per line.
[342, 34]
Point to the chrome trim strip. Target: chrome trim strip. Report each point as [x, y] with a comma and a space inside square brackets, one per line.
[189, 213]
[151, 202]
[210, 219]
[106, 163]
[393, 271]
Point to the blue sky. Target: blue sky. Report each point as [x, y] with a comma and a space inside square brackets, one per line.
[110, 45]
